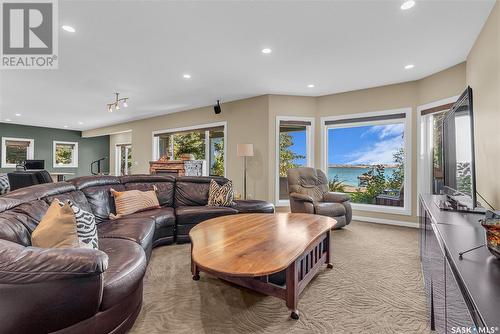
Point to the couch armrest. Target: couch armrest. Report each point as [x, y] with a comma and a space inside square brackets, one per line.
[334, 197]
[301, 197]
[55, 287]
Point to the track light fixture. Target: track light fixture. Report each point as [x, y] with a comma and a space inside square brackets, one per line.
[217, 108]
[116, 105]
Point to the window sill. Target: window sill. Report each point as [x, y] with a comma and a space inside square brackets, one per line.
[405, 211]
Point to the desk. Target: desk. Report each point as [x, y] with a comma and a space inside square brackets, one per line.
[60, 176]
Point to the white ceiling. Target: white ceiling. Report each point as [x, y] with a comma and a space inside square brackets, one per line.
[142, 49]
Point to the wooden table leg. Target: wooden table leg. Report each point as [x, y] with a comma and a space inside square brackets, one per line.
[292, 289]
[329, 264]
[194, 268]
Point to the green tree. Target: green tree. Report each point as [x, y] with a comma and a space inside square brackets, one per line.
[336, 185]
[375, 185]
[287, 156]
[63, 154]
[218, 165]
[397, 178]
[464, 177]
[189, 143]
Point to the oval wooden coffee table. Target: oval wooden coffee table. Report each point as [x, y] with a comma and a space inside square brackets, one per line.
[250, 250]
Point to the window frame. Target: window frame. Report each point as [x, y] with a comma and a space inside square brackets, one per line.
[310, 133]
[30, 153]
[407, 208]
[74, 161]
[155, 140]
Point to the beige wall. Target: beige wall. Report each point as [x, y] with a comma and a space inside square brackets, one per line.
[253, 120]
[246, 123]
[483, 75]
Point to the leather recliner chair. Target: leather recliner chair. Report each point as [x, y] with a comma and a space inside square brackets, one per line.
[309, 193]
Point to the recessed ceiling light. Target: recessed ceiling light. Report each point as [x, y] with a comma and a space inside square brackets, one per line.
[18, 114]
[407, 4]
[65, 126]
[80, 123]
[266, 50]
[409, 66]
[68, 28]
[7, 119]
[186, 76]
[310, 86]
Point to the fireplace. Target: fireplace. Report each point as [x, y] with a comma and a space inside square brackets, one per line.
[177, 167]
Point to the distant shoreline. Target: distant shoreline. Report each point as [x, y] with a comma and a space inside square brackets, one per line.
[360, 166]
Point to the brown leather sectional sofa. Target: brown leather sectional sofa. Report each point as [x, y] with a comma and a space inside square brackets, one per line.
[93, 291]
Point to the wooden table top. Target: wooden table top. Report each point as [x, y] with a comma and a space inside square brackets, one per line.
[255, 244]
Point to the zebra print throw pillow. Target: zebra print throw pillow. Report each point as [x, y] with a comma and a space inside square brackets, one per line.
[86, 227]
[220, 195]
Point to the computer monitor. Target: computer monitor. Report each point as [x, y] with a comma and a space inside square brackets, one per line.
[34, 164]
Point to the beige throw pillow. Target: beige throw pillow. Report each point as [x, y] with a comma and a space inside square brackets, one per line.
[131, 201]
[57, 229]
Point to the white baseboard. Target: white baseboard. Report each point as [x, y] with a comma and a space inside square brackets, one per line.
[385, 221]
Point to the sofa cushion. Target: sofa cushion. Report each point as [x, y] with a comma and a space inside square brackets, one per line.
[195, 214]
[164, 219]
[253, 206]
[329, 209]
[76, 197]
[191, 190]
[126, 268]
[139, 230]
[100, 200]
[13, 227]
[164, 184]
[34, 212]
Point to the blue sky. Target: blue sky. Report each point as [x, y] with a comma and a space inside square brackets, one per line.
[368, 145]
[299, 146]
[357, 145]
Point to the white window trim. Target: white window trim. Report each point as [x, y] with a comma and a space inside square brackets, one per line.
[74, 162]
[29, 154]
[118, 157]
[407, 209]
[155, 140]
[310, 152]
[424, 171]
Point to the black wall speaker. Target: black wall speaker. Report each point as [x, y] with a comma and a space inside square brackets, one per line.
[217, 108]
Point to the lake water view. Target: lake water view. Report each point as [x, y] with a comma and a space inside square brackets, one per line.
[349, 175]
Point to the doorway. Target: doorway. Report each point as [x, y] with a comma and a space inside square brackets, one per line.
[123, 161]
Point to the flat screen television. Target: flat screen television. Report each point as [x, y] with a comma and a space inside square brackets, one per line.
[458, 153]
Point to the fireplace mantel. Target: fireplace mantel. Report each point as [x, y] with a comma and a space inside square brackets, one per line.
[177, 167]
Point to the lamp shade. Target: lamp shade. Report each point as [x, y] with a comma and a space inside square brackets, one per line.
[244, 150]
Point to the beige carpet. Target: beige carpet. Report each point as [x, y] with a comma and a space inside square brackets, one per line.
[375, 287]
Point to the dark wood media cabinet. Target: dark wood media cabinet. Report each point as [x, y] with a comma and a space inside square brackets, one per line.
[461, 294]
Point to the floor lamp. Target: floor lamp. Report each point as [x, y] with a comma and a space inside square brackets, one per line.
[244, 150]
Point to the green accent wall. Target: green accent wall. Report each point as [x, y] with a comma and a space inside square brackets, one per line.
[89, 149]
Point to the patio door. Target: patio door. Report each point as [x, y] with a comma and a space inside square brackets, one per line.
[123, 161]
